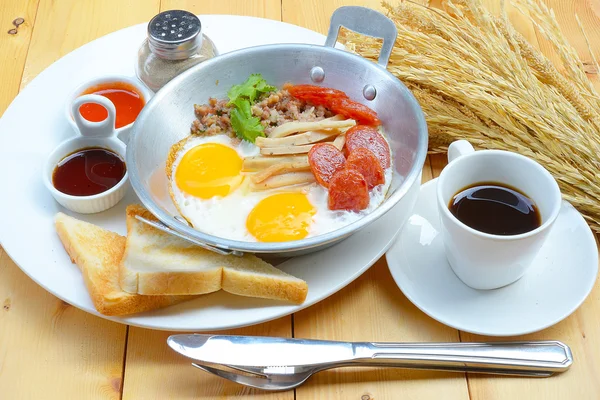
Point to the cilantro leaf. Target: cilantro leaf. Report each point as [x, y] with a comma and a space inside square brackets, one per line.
[254, 86]
[246, 128]
[240, 91]
[262, 87]
[244, 106]
[241, 97]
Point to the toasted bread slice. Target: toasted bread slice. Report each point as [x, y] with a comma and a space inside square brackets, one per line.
[98, 252]
[157, 263]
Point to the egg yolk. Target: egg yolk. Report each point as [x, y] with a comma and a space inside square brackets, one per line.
[281, 217]
[208, 170]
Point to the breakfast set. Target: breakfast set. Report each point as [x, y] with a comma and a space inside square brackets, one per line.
[218, 187]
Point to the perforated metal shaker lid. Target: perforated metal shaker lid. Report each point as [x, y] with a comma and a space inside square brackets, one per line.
[174, 34]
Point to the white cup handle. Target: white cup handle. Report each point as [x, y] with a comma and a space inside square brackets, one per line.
[86, 128]
[459, 148]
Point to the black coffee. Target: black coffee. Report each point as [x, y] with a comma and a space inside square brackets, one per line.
[495, 208]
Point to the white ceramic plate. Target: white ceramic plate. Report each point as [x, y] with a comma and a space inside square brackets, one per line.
[35, 124]
[561, 277]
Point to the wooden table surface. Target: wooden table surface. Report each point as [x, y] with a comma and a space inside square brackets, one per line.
[51, 350]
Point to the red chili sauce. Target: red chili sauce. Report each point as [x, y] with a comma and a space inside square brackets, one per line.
[87, 172]
[127, 100]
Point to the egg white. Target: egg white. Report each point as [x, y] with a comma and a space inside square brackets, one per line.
[225, 217]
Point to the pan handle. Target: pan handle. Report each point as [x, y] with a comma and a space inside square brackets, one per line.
[367, 22]
[162, 227]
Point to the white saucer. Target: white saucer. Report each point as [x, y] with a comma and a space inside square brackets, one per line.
[561, 277]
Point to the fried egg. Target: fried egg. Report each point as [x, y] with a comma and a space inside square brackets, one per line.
[211, 192]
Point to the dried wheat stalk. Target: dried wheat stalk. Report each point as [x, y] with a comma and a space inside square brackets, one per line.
[477, 78]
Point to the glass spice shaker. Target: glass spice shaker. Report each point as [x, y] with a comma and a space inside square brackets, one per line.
[175, 43]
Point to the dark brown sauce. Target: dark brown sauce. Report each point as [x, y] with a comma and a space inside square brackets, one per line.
[495, 208]
[87, 172]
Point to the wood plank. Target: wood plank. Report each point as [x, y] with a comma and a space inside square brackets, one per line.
[373, 309]
[427, 170]
[66, 353]
[315, 14]
[438, 162]
[51, 350]
[76, 360]
[65, 25]
[581, 331]
[589, 15]
[262, 8]
[13, 47]
[153, 370]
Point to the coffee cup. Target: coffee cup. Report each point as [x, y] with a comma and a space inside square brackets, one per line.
[484, 260]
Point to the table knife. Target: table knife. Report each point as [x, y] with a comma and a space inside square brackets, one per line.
[533, 358]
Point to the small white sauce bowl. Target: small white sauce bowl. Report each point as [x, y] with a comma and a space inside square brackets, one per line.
[122, 132]
[90, 134]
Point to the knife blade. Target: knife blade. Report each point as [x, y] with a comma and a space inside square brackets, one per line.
[259, 351]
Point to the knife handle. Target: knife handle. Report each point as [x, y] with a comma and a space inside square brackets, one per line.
[531, 358]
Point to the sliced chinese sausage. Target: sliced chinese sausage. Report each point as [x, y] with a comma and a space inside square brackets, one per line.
[315, 94]
[324, 160]
[337, 101]
[352, 109]
[364, 161]
[368, 138]
[348, 191]
[305, 91]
